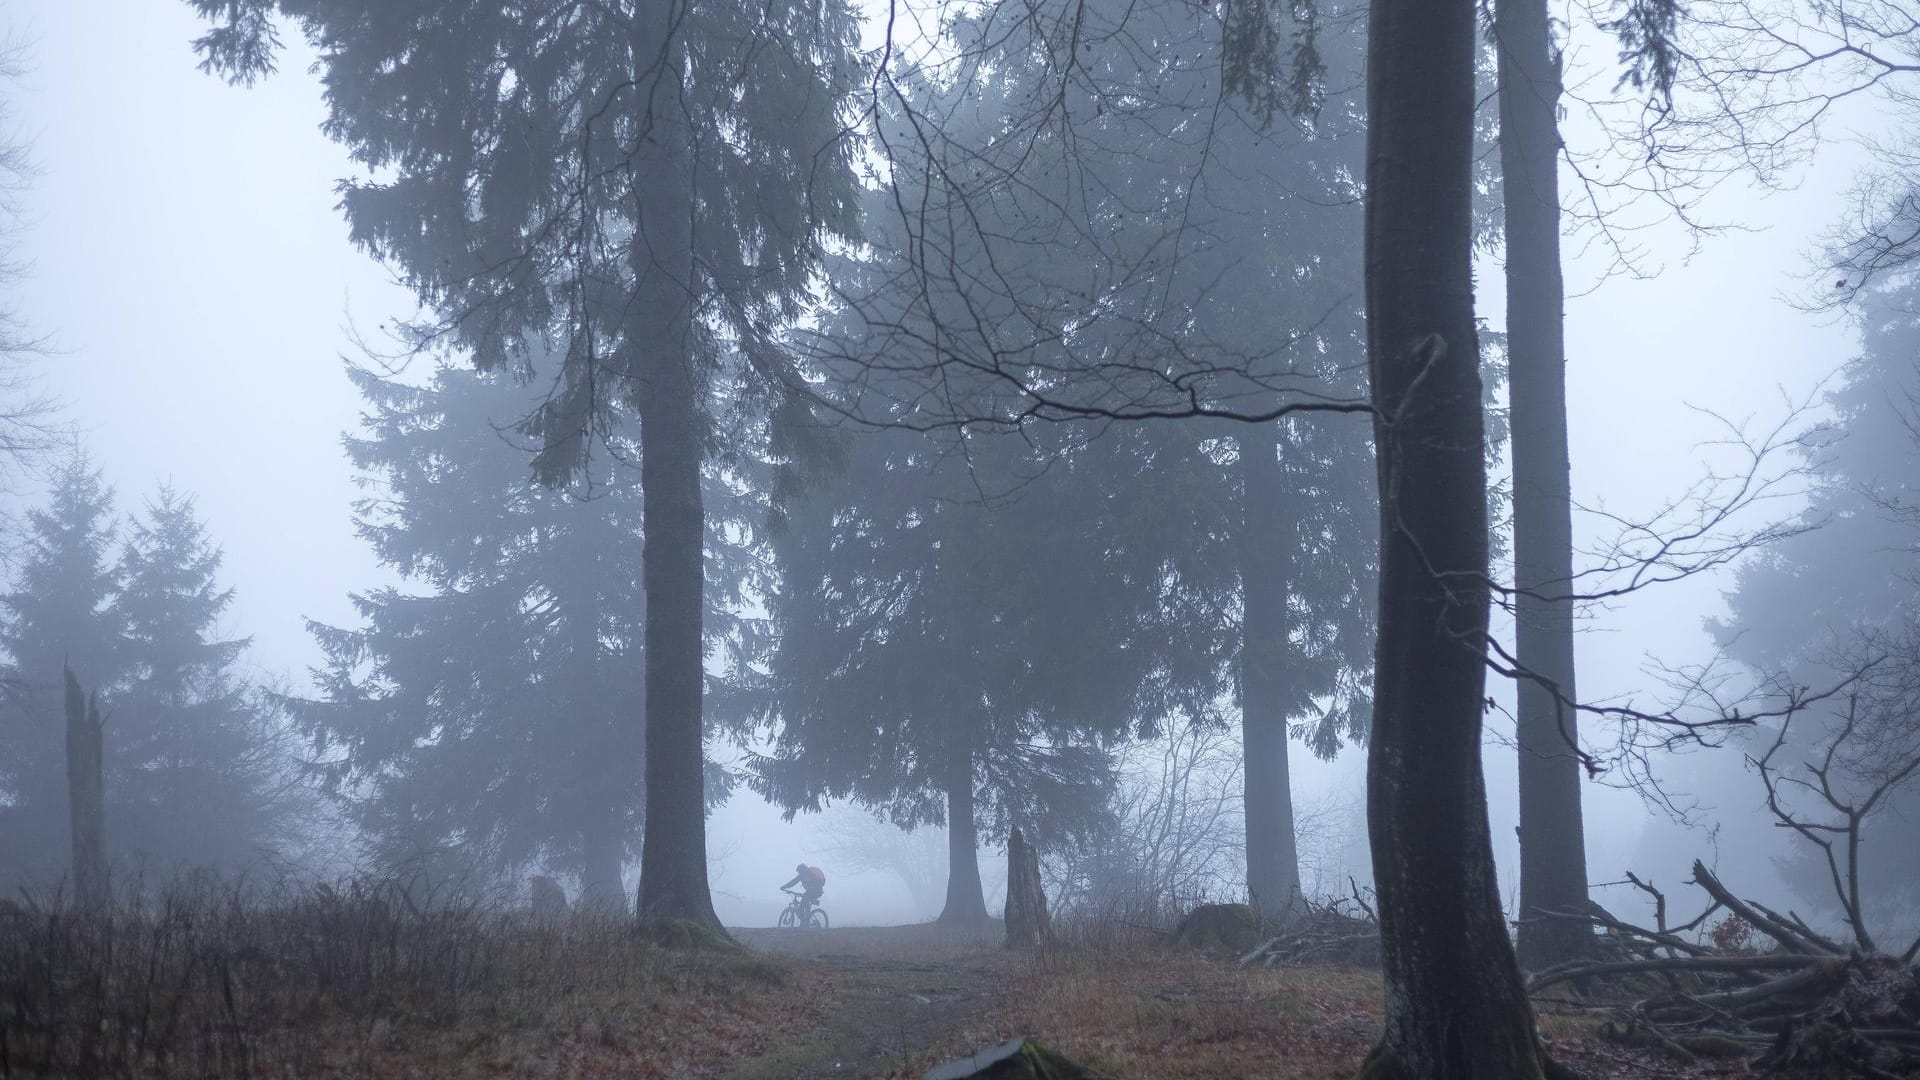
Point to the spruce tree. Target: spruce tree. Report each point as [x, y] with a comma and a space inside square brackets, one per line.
[946, 659]
[1112, 236]
[60, 614]
[482, 702]
[643, 186]
[1816, 603]
[478, 714]
[195, 773]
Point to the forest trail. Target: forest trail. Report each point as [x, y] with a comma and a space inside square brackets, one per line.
[890, 1003]
[889, 996]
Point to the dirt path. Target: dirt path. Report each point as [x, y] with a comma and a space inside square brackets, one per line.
[890, 993]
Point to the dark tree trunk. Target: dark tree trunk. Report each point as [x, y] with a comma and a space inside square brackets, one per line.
[1027, 920]
[1455, 1006]
[601, 776]
[666, 389]
[86, 798]
[1273, 863]
[1553, 865]
[966, 899]
[673, 857]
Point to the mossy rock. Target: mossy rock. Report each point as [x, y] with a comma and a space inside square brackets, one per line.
[1222, 927]
[688, 934]
[1020, 1059]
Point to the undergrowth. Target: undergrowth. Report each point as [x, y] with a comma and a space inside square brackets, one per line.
[361, 978]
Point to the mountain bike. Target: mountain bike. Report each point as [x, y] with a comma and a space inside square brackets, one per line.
[801, 912]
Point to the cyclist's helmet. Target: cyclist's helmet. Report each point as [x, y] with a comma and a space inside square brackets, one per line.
[800, 869]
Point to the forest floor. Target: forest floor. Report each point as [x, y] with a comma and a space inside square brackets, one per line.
[892, 1003]
[344, 987]
[895, 1002]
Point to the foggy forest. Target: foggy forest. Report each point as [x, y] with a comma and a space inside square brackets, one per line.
[960, 539]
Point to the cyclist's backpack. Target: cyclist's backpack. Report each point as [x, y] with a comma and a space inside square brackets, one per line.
[814, 877]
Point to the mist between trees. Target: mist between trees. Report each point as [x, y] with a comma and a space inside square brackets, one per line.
[944, 421]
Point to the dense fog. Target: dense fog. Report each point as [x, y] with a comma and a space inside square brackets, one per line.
[336, 497]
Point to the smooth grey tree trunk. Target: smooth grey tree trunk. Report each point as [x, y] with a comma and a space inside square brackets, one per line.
[86, 797]
[1455, 1005]
[966, 898]
[1273, 862]
[1553, 865]
[666, 390]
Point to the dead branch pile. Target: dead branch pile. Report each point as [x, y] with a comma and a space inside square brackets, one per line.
[1342, 932]
[1762, 983]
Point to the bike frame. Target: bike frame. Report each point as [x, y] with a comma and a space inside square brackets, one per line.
[799, 910]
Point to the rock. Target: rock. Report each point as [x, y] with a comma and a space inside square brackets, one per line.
[1020, 1059]
[688, 935]
[1027, 920]
[1231, 928]
[549, 899]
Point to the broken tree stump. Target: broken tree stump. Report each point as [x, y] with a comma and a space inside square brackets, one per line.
[1027, 921]
[86, 797]
[549, 899]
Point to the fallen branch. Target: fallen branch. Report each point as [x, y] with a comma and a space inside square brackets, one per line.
[1734, 964]
[1341, 931]
[1809, 1005]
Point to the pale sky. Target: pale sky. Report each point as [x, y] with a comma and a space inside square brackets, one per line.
[192, 269]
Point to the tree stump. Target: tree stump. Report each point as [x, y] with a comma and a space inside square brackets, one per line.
[1027, 920]
[86, 798]
[549, 899]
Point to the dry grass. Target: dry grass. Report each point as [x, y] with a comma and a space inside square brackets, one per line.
[357, 981]
[1113, 995]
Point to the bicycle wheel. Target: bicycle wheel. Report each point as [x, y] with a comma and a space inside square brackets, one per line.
[817, 919]
[786, 917]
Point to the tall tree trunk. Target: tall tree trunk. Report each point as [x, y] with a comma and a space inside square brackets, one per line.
[1273, 862]
[86, 798]
[1455, 1006]
[600, 776]
[666, 388]
[1553, 865]
[966, 899]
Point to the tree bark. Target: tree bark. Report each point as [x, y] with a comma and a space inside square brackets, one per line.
[1553, 866]
[1455, 1005]
[600, 776]
[1027, 920]
[666, 386]
[1273, 862]
[673, 858]
[86, 798]
[966, 899]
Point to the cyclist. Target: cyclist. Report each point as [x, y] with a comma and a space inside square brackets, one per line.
[811, 880]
